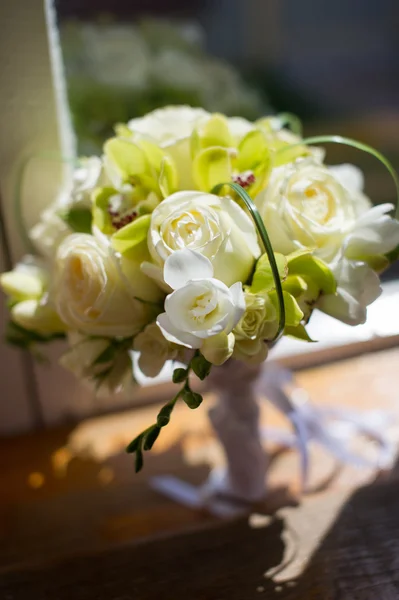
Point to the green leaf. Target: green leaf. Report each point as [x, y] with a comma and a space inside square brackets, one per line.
[78, 219]
[315, 269]
[106, 356]
[263, 280]
[139, 460]
[163, 416]
[192, 399]
[25, 339]
[295, 285]
[179, 375]
[201, 366]
[211, 167]
[129, 159]
[299, 332]
[151, 437]
[167, 177]
[131, 235]
[293, 313]
[134, 444]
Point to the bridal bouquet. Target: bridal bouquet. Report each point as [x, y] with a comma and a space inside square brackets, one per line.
[197, 238]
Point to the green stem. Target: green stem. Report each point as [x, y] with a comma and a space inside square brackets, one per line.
[267, 245]
[292, 121]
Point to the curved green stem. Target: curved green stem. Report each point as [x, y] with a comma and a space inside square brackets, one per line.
[267, 245]
[292, 121]
[338, 139]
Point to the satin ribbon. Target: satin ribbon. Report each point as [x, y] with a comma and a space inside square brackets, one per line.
[331, 427]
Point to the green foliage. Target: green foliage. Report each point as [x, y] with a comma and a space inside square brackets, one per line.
[147, 438]
[78, 219]
[309, 267]
[201, 366]
[299, 332]
[293, 312]
[179, 375]
[263, 279]
[25, 339]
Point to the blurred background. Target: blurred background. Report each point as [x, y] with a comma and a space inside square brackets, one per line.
[334, 64]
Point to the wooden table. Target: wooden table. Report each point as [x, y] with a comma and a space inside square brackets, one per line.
[94, 531]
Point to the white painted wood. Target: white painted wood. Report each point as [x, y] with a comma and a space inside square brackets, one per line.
[34, 122]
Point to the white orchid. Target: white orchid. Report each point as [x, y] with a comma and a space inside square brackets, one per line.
[202, 311]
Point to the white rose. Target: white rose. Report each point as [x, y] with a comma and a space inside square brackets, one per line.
[90, 294]
[48, 234]
[256, 326]
[86, 176]
[216, 227]
[166, 126]
[306, 205]
[171, 128]
[202, 311]
[154, 350]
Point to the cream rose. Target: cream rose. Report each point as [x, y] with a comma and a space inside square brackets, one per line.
[307, 205]
[90, 294]
[48, 234]
[256, 326]
[215, 227]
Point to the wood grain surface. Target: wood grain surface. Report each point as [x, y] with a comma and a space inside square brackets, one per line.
[94, 531]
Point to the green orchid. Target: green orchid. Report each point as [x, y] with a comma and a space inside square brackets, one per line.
[141, 175]
[304, 279]
[218, 158]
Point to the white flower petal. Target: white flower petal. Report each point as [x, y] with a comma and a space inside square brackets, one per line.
[185, 265]
[175, 335]
[155, 273]
[349, 176]
[358, 286]
[375, 232]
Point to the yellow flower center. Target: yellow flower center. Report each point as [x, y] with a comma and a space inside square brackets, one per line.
[203, 306]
